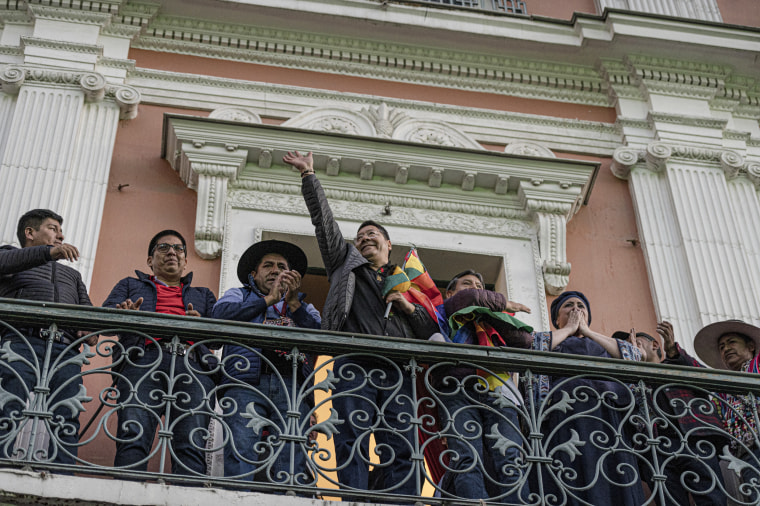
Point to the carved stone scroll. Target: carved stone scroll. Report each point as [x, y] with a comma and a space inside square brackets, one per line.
[210, 170]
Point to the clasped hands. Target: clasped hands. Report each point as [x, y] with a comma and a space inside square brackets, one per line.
[287, 284]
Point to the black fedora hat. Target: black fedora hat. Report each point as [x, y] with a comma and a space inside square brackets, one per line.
[252, 256]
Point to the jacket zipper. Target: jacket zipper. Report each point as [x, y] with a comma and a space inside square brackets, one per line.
[53, 281]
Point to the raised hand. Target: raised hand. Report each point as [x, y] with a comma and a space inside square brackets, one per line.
[665, 329]
[291, 282]
[65, 252]
[304, 163]
[190, 311]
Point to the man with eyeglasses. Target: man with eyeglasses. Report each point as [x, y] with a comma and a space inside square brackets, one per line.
[364, 385]
[33, 272]
[143, 381]
[688, 429]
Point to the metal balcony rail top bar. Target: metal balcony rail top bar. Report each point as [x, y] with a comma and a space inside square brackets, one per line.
[19, 313]
[603, 427]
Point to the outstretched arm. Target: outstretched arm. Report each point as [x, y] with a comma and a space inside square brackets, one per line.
[332, 246]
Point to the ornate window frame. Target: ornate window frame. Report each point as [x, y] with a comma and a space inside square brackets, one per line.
[439, 194]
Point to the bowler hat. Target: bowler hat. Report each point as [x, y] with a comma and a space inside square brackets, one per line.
[706, 340]
[252, 257]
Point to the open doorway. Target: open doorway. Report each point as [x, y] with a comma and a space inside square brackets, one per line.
[440, 263]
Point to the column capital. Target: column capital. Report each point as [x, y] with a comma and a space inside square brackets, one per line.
[94, 85]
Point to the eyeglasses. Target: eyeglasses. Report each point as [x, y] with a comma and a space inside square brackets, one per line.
[164, 247]
[371, 234]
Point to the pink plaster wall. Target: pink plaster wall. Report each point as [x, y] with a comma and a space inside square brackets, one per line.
[606, 266]
[156, 199]
[560, 10]
[740, 12]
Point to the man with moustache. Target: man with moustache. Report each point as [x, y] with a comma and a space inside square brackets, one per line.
[167, 290]
[32, 272]
[355, 304]
[259, 381]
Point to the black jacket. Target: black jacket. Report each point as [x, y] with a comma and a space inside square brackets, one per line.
[342, 261]
[201, 298]
[32, 274]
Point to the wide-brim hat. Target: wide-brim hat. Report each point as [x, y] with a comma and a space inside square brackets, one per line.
[706, 340]
[252, 256]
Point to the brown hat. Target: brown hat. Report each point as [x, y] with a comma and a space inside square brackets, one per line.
[706, 340]
[252, 257]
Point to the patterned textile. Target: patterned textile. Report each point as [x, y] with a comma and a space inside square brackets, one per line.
[542, 341]
[739, 414]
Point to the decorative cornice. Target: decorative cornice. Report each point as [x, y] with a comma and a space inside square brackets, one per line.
[11, 50]
[397, 199]
[15, 17]
[369, 58]
[93, 16]
[485, 125]
[677, 89]
[737, 135]
[462, 76]
[120, 30]
[73, 47]
[655, 68]
[137, 13]
[682, 119]
[116, 63]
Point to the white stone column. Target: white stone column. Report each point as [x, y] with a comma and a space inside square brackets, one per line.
[57, 150]
[694, 229]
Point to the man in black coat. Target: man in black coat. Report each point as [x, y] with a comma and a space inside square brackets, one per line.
[32, 272]
[372, 395]
[145, 385]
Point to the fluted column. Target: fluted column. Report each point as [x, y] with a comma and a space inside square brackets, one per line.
[693, 224]
[57, 149]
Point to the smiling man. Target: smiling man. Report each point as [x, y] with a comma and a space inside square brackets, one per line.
[261, 381]
[355, 304]
[33, 273]
[166, 291]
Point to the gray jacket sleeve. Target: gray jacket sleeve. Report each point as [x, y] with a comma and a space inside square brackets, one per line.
[332, 246]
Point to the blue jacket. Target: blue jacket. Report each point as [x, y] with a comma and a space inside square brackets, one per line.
[247, 304]
[201, 298]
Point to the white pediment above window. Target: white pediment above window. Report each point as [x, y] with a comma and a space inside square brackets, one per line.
[385, 122]
[428, 187]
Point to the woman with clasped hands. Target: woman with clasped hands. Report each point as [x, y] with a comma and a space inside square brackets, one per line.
[584, 423]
